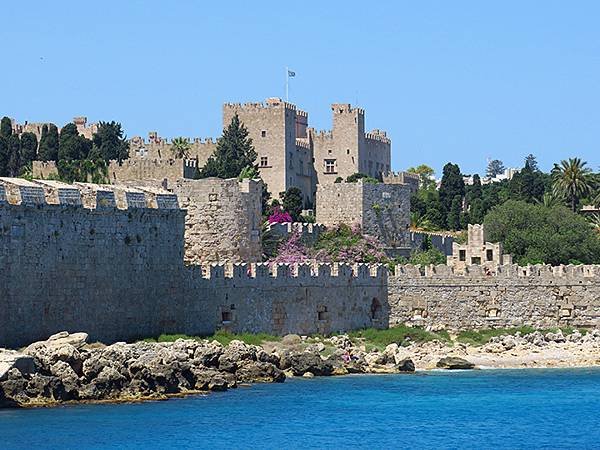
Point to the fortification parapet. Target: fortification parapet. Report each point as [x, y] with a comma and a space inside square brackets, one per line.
[22, 192]
[272, 102]
[59, 193]
[341, 108]
[308, 232]
[303, 143]
[379, 136]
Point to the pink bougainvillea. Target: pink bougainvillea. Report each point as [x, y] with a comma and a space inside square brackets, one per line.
[291, 251]
[278, 215]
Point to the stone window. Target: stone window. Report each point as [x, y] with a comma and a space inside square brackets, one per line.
[263, 133]
[489, 255]
[330, 166]
[322, 313]
[226, 316]
[212, 197]
[462, 255]
[375, 309]
[476, 260]
[264, 161]
[492, 312]
[347, 151]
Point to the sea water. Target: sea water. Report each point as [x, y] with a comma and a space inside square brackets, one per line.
[541, 408]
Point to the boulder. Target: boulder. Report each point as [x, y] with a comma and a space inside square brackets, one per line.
[10, 359]
[208, 354]
[300, 363]
[257, 371]
[405, 365]
[453, 363]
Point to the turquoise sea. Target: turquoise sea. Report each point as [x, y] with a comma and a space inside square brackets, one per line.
[542, 408]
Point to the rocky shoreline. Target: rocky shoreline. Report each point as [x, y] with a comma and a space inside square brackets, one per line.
[66, 369]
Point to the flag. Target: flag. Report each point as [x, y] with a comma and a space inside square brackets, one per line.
[291, 74]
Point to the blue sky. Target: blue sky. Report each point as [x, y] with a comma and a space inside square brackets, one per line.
[450, 81]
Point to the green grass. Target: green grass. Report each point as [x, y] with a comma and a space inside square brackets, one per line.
[224, 337]
[381, 338]
[221, 336]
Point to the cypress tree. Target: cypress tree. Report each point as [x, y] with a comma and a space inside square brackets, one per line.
[3, 156]
[234, 152]
[109, 142]
[72, 146]
[454, 215]
[14, 155]
[49, 143]
[29, 145]
[5, 127]
[452, 185]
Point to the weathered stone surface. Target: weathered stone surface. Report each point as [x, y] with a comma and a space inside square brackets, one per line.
[299, 363]
[453, 363]
[10, 359]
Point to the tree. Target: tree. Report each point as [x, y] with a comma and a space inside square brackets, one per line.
[451, 186]
[292, 202]
[109, 142]
[5, 127]
[427, 257]
[234, 152]
[29, 145]
[49, 143]
[14, 155]
[180, 148]
[494, 168]
[361, 176]
[3, 156]
[534, 233]
[72, 146]
[531, 162]
[454, 215]
[571, 180]
[426, 174]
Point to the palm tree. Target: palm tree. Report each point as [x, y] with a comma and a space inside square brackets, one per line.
[180, 148]
[571, 180]
[548, 200]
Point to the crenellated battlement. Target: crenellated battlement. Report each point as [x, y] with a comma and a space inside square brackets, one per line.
[155, 139]
[378, 135]
[39, 193]
[289, 272]
[270, 103]
[303, 143]
[345, 108]
[506, 272]
[309, 232]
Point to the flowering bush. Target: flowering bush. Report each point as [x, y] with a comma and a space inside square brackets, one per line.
[291, 251]
[278, 215]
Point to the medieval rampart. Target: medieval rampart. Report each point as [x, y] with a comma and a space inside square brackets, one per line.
[537, 296]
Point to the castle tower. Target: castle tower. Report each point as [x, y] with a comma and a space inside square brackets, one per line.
[273, 127]
[347, 149]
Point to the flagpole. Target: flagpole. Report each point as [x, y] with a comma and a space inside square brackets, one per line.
[287, 82]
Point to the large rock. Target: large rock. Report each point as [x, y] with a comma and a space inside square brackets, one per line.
[300, 363]
[257, 371]
[453, 363]
[405, 365]
[10, 359]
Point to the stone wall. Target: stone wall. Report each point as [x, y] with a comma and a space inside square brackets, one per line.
[309, 232]
[114, 273]
[111, 264]
[223, 219]
[382, 210]
[537, 296]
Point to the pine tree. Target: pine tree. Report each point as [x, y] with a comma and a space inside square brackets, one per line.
[29, 145]
[495, 167]
[234, 152]
[49, 143]
[109, 142]
[5, 127]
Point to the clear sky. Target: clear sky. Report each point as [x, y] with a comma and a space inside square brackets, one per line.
[456, 81]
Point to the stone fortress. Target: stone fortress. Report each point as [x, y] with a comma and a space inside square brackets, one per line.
[290, 153]
[144, 255]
